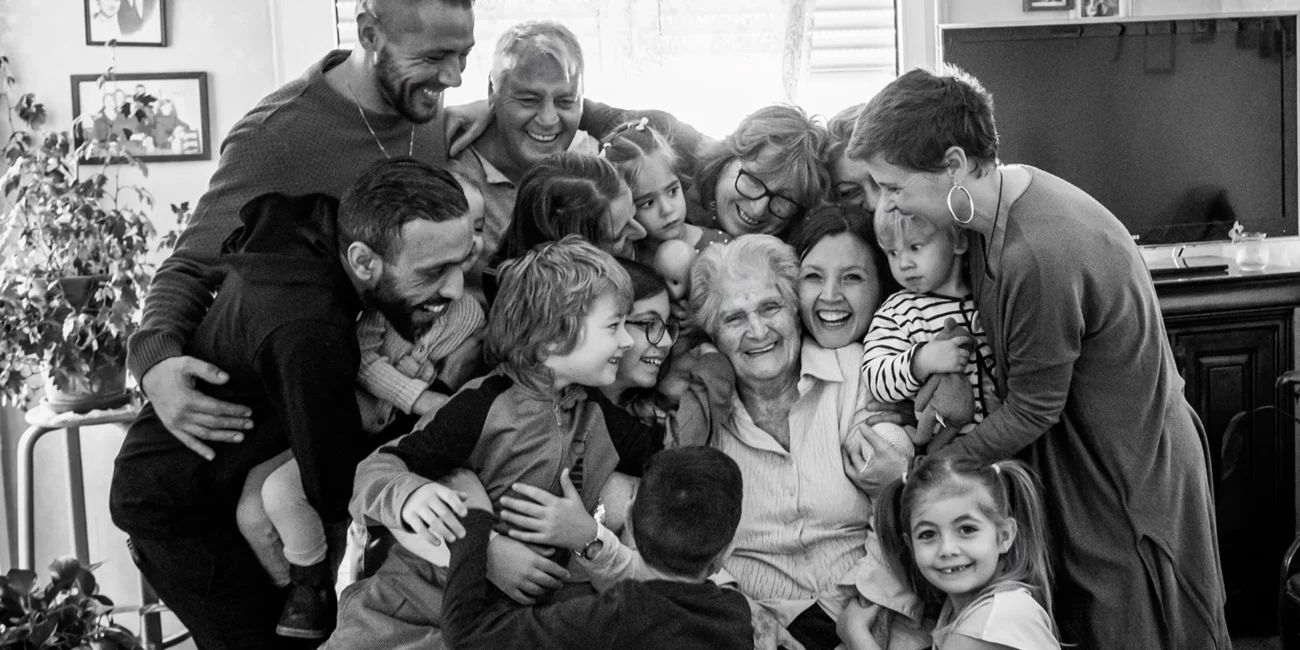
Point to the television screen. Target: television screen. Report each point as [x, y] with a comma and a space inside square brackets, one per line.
[1179, 127]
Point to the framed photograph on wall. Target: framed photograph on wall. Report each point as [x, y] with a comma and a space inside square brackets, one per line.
[128, 22]
[1103, 8]
[154, 117]
[1049, 5]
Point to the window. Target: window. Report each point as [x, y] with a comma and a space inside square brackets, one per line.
[710, 62]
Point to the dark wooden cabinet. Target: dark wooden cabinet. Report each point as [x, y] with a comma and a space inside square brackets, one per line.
[1232, 339]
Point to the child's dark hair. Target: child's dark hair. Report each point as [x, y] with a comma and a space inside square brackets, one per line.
[566, 194]
[631, 143]
[646, 283]
[831, 219]
[1016, 495]
[687, 509]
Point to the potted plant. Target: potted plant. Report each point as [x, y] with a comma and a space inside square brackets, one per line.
[68, 613]
[73, 271]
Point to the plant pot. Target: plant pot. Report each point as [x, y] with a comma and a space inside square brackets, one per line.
[104, 388]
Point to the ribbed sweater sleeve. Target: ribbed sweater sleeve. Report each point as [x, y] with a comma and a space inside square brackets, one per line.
[183, 287]
[303, 138]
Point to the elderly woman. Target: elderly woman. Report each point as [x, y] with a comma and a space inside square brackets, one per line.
[1092, 397]
[804, 528]
[764, 176]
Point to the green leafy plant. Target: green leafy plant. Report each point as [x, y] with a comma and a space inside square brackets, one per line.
[67, 613]
[73, 249]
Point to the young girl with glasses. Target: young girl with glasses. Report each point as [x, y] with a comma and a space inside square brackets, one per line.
[648, 164]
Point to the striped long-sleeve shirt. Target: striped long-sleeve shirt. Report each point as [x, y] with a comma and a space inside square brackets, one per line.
[908, 320]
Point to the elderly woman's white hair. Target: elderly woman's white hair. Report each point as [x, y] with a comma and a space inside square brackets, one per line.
[748, 258]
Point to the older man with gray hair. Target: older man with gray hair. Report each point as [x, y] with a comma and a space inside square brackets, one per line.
[535, 97]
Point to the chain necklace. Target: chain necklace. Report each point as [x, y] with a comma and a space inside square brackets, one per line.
[410, 148]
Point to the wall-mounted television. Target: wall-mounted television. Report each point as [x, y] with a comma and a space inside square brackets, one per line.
[1179, 126]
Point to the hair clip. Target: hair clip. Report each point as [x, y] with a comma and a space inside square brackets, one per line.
[642, 123]
[904, 477]
[604, 147]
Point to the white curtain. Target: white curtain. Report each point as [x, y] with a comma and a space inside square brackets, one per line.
[710, 62]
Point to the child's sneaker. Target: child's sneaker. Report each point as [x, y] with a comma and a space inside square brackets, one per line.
[312, 608]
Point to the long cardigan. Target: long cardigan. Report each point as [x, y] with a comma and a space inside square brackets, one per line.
[1094, 402]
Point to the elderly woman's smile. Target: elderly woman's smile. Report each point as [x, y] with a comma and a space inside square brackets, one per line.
[758, 329]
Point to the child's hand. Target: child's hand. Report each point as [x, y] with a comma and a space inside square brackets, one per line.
[936, 357]
[433, 512]
[520, 572]
[854, 626]
[543, 518]
[409, 366]
[428, 402]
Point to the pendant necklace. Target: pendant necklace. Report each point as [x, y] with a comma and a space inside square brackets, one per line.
[410, 148]
[987, 244]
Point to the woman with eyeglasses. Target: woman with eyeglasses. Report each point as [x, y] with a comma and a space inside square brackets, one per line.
[765, 176]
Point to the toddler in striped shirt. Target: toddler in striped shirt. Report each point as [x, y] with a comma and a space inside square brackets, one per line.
[901, 351]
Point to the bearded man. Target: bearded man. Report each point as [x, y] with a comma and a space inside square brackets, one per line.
[283, 327]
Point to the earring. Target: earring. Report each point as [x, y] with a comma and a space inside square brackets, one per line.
[971, 216]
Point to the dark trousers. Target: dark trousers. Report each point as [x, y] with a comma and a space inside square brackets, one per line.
[216, 587]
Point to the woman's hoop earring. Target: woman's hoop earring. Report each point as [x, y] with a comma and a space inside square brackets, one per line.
[971, 216]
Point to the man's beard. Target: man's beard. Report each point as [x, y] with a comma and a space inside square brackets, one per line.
[385, 298]
[391, 87]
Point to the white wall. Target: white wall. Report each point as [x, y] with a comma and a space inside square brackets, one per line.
[247, 47]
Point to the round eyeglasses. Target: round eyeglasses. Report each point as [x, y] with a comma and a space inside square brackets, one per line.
[655, 327]
[780, 205]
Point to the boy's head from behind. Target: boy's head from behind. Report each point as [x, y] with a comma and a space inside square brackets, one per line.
[559, 307]
[687, 510]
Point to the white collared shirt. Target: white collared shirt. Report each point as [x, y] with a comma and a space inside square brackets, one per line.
[804, 524]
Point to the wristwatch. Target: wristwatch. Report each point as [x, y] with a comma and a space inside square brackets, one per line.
[595, 546]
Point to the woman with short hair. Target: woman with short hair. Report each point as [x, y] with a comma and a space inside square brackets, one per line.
[1092, 398]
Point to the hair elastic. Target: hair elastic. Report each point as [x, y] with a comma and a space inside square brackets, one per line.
[904, 477]
[997, 469]
[642, 123]
[971, 216]
[604, 148]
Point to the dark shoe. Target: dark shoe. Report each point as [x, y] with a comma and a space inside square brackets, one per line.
[311, 609]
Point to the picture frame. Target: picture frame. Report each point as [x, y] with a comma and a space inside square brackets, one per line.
[156, 117]
[134, 23]
[1049, 5]
[1103, 8]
